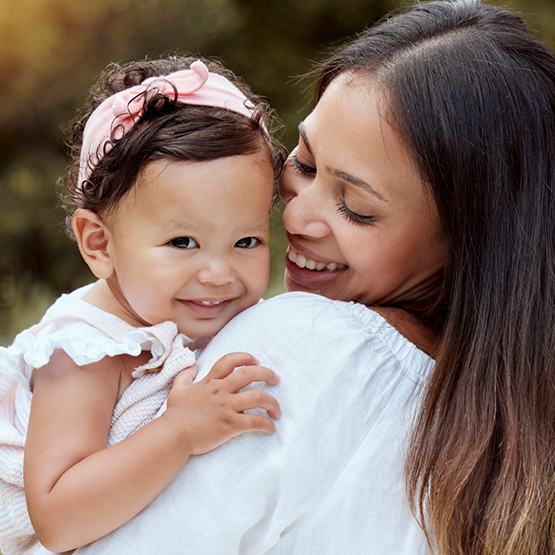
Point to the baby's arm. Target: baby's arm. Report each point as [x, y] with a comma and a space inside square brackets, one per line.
[77, 489]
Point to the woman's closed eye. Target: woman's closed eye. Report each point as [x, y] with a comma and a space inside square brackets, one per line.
[353, 216]
[300, 167]
[183, 243]
[248, 243]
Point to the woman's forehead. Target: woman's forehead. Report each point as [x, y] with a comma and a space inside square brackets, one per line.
[348, 135]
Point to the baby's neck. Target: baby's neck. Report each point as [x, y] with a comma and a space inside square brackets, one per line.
[101, 296]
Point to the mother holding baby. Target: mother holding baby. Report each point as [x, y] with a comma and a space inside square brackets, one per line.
[416, 347]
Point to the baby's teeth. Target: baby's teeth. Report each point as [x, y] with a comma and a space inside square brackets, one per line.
[292, 255]
[310, 264]
[332, 266]
[320, 266]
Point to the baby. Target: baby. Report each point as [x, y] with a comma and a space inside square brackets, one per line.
[169, 199]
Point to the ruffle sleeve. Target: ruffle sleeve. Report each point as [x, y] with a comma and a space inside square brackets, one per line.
[77, 335]
[87, 335]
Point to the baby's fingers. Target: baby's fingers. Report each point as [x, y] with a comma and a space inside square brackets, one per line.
[186, 377]
[257, 399]
[255, 422]
[249, 374]
[226, 364]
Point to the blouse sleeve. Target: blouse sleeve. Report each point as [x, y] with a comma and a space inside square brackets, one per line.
[330, 480]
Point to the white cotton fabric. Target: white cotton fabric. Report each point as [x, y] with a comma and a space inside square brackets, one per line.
[86, 334]
[330, 480]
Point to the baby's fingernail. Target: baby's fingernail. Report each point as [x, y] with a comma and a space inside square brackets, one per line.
[256, 361]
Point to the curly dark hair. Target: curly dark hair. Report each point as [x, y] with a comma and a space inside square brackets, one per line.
[166, 129]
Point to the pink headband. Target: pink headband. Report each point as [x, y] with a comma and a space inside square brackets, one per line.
[121, 111]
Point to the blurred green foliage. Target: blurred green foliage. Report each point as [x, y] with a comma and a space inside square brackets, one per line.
[51, 52]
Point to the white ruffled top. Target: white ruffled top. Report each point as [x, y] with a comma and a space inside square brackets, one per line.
[87, 334]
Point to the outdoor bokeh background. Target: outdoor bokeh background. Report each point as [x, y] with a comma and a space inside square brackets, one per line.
[51, 52]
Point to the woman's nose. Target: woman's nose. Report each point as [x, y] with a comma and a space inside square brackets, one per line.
[216, 271]
[287, 184]
[305, 213]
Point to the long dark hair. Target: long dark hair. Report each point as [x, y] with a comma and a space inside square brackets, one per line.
[167, 129]
[472, 93]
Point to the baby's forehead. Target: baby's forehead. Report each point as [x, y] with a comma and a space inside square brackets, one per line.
[260, 158]
[234, 192]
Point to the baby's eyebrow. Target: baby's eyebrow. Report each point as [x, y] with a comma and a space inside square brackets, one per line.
[263, 226]
[340, 173]
[171, 226]
[189, 228]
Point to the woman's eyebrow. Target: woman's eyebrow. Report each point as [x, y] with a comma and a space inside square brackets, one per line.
[339, 173]
[355, 181]
[304, 137]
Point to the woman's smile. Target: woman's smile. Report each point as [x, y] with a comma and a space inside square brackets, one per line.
[308, 270]
[310, 264]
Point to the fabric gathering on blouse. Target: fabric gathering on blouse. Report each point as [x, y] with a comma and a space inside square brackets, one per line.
[87, 334]
[330, 480]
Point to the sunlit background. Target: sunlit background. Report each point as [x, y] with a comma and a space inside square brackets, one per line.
[51, 52]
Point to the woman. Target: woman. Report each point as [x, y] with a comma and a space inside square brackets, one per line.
[422, 187]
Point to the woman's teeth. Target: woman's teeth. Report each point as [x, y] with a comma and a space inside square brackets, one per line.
[303, 262]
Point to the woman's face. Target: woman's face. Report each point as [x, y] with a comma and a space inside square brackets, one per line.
[360, 223]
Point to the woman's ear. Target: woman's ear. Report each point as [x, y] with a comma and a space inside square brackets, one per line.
[93, 237]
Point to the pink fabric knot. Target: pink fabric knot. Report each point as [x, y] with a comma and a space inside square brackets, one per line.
[201, 70]
[159, 85]
[195, 80]
[119, 107]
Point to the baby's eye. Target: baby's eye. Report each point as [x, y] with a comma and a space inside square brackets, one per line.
[247, 242]
[183, 243]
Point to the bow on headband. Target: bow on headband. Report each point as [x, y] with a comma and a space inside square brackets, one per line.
[121, 111]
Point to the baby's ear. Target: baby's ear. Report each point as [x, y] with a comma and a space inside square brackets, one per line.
[92, 237]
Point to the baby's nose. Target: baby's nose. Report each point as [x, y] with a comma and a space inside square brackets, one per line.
[216, 272]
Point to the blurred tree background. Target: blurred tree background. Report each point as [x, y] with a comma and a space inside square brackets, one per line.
[51, 52]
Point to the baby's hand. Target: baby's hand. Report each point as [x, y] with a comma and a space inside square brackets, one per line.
[212, 411]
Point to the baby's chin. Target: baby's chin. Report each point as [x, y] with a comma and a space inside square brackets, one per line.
[199, 343]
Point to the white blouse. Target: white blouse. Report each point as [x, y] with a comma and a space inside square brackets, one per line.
[330, 480]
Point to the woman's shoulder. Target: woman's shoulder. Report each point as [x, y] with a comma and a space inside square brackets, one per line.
[309, 307]
[400, 325]
[410, 327]
[316, 322]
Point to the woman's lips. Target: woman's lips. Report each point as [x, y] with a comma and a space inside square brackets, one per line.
[303, 262]
[298, 268]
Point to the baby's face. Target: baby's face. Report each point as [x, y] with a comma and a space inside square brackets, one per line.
[189, 243]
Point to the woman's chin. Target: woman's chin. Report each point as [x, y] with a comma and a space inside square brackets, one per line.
[290, 284]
